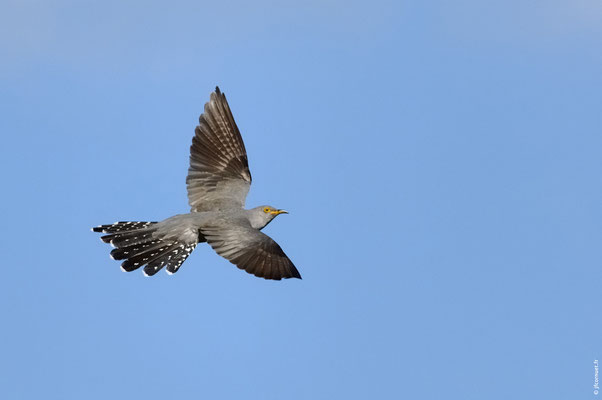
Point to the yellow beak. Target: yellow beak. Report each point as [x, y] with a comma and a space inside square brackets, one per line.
[278, 212]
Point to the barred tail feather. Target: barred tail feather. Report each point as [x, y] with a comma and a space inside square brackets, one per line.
[136, 261]
[122, 234]
[171, 258]
[134, 243]
[123, 226]
[123, 253]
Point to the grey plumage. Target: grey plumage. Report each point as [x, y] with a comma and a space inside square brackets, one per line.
[219, 176]
[218, 182]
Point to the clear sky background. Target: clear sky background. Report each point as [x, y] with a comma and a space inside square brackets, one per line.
[441, 162]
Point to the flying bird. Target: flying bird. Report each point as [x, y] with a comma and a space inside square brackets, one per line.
[218, 182]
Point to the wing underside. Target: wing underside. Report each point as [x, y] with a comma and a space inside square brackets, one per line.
[251, 250]
[219, 176]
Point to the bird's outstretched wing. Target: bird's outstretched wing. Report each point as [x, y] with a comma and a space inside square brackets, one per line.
[251, 250]
[219, 176]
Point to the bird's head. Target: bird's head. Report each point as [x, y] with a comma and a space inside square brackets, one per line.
[263, 215]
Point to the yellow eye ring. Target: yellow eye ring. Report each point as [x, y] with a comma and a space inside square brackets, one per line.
[266, 210]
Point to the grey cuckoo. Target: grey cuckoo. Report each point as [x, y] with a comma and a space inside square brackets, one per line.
[218, 182]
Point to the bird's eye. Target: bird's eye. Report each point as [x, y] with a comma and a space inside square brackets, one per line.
[266, 210]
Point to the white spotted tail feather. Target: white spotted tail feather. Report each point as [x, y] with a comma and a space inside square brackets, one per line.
[136, 243]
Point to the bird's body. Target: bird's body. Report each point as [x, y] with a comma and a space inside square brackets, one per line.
[218, 182]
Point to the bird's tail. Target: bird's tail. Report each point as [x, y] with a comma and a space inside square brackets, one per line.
[138, 245]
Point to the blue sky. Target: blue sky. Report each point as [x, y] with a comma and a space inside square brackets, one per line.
[440, 160]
